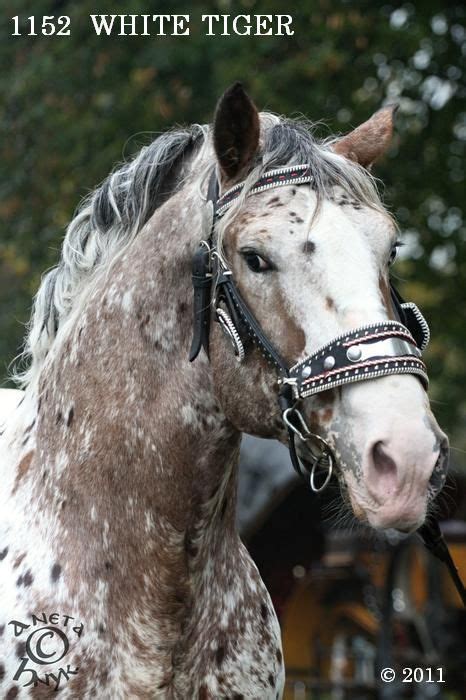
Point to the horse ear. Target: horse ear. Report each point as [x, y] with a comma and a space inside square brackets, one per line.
[236, 131]
[369, 141]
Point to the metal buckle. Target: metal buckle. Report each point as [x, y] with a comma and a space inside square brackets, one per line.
[324, 456]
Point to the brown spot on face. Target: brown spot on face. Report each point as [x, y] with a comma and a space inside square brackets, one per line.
[59, 417]
[3, 553]
[329, 303]
[273, 200]
[12, 693]
[291, 336]
[327, 415]
[20, 649]
[299, 220]
[271, 680]
[2, 629]
[309, 247]
[386, 297]
[23, 468]
[204, 693]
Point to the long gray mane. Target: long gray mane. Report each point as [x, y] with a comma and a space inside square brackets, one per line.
[115, 212]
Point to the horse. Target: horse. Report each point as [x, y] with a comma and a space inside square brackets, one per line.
[122, 572]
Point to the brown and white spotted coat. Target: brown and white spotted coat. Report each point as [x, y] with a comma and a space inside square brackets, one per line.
[118, 488]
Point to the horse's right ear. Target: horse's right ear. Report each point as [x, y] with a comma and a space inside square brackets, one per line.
[236, 131]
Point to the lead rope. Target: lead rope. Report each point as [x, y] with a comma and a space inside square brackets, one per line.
[434, 541]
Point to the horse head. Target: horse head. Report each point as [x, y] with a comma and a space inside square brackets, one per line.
[300, 252]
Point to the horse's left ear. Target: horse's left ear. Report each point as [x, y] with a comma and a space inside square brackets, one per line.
[236, 131]
[369, 141]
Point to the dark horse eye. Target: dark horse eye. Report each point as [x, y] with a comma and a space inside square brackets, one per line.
[394, 252]
[255, 262]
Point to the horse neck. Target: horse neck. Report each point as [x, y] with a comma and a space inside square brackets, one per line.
[140, 462]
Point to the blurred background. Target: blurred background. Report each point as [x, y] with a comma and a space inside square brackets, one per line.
[72, 107]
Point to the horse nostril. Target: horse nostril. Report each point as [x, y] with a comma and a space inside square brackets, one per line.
[381, 460]
[439, 473]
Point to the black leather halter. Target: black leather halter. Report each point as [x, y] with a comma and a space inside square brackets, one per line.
[379, 349]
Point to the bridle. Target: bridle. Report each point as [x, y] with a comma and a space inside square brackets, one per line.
[379, 349]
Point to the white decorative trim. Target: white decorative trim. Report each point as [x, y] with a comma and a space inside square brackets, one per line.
[262, 188]
[421, 320]
[323, 385]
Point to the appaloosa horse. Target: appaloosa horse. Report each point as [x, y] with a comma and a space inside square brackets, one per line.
[122, 574]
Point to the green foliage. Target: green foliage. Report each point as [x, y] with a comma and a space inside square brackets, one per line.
[73, 106]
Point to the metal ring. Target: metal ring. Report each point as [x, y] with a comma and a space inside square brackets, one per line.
[313, 486]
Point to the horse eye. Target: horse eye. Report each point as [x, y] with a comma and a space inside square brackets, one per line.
[394, 253]
[255, 262]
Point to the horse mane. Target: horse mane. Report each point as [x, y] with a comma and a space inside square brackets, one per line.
[106, 221]
[111, 216]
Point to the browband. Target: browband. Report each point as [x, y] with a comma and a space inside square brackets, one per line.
[291, 175]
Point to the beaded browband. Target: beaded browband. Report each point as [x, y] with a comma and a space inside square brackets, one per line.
[291, 175]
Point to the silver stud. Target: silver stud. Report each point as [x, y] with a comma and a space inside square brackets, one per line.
[329, 362]
[306, 372]
[354, 353]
